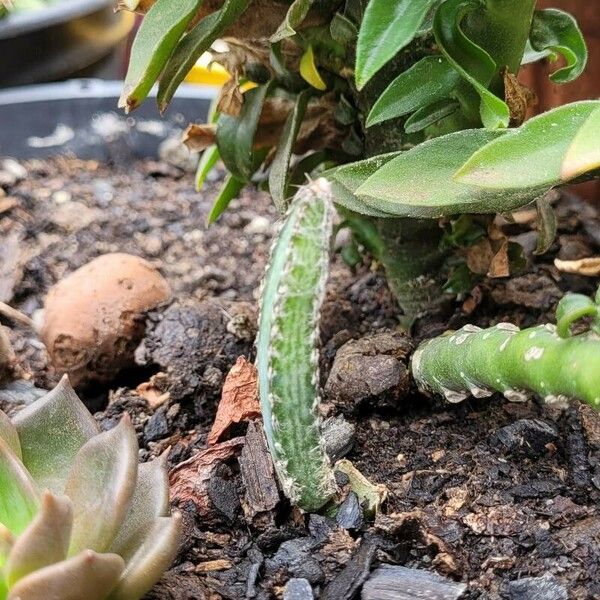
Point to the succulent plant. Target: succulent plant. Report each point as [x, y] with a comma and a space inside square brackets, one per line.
[79, 519]
[547, 360]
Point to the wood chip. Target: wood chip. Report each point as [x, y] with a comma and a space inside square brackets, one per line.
[258, 473]
[590, 267]
[239, 399]
[220, 564]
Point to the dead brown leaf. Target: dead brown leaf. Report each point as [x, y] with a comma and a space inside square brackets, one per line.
[489, 256]
[518, 97]
[231, 98]
[590, 267]
[239, 399]
[198, 137]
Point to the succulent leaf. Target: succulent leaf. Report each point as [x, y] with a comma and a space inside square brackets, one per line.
[44, 542]
[18, 497]
[7, 539]
[150, 501]
[101, 485]
[9, 434]
[51, 431]
[88, 575]
[152, 558]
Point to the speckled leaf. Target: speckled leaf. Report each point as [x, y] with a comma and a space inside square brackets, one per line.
[532, 155]
[51, 431]
[557, 31]
[583, 154]
[386, 28]
[161, 29]
[429, 115]
[429, 80]
[101, 484]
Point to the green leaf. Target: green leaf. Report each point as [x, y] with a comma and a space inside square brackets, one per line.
[295, 15]
[48, 457]
[235, 135]
[429, 115]
[546, 225]
[9, 434]
[583, 154]
[18, 498]
[154, 42]
[279, 172]
[191, 47]
[469, 59]
[532, 155]
[572, 308]
[230, 189]
[386, 28]
[342, 29]
[557, 31]
[429, 80]
[206, 164]
[100, 485]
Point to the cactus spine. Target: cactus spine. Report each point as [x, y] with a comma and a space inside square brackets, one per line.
[547, 360]
[287, 356]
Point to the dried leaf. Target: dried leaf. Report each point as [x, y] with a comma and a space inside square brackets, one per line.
[239, 399]
[584, 266]
[489, 256]
[371, 495]
[231, 98]
[198, 137]
[518, 97]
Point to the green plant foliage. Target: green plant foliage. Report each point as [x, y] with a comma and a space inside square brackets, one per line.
[387, 27]
[207, 161]
[280, 167]
[154, 42]
[231, 187]
[430, 115]
[295, 15]
[104, 531]
[191, 47]
[286, 346]
[557, 31]
[470, 60]
[235, 135]
[546, 360]
[430, 80]
[543, 144]
[583, 154]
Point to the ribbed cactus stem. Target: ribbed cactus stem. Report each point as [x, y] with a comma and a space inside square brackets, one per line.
[287, 356]
[516, 362]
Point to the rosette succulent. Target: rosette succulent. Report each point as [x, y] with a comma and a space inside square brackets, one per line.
[79, 518]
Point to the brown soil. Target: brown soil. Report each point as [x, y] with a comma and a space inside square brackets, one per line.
[484, 492]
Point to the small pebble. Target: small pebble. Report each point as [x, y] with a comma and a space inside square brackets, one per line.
[298, 589]
[350, 513]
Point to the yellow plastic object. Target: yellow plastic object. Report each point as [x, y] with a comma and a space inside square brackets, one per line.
[208, 74]
[309, 71]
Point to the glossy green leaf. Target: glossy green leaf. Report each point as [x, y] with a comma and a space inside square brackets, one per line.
[532, 155]
[88, 575]
[469, 59]
[295, 15]
[100, 485]
[345, 180]
[18, 497]
[51, 431]
[429, 80]
[207, 161]
[229, 190]
[193, 45]
[583, 154]
[386, 28]
[279, 171]
[235, 135]
[161, 29]
[44, 542]
[429, 115]
[572, 308]
[557, 31]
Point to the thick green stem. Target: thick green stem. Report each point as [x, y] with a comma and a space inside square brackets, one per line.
[513, 362]
[287, 357]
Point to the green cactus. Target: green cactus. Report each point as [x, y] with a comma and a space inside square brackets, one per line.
[78, 517]
[287, 357]
[547, 360]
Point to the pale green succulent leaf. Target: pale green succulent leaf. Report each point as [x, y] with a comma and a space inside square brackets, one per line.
[429, 80]
[18, 496]
[44, 542]
[150, 501]
[387, 27]
[572, 308]
[583, 154]
[101, 485]
[88, 575]
[152, 558]
[556, 31]
[7, 540]
[9, 434]
[51, 431]
[533, 155]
